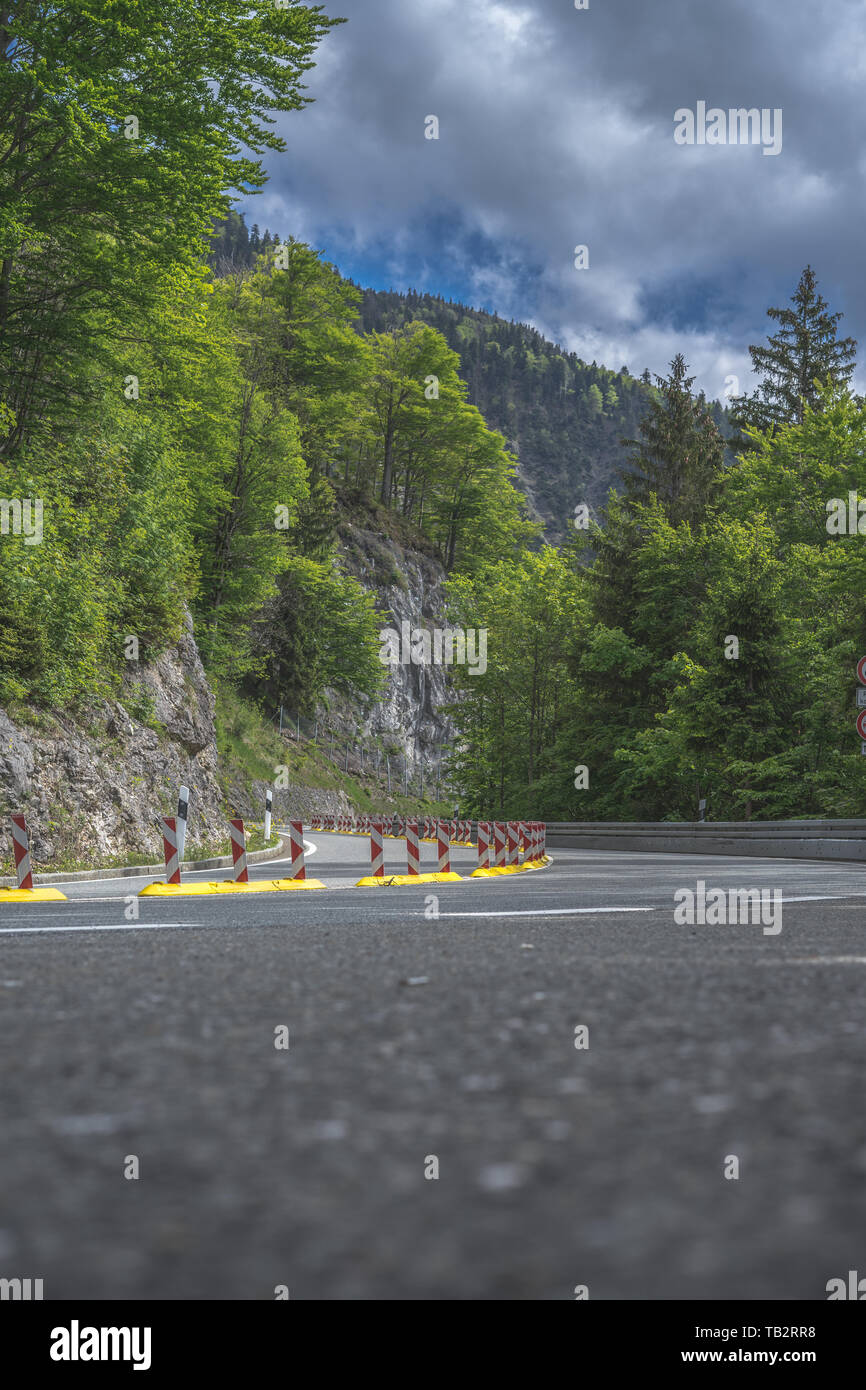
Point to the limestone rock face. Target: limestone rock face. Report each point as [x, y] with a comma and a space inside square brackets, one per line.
[407, 719]
[94, 786]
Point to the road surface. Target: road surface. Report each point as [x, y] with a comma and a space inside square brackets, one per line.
[419, 1042]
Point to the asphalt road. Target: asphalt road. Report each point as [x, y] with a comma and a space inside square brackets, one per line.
[416, 1037]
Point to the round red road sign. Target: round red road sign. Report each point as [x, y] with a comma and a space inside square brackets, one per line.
[861, 723]
[861, 670]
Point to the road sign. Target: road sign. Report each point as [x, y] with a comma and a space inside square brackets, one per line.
[861, 697]
[861, 723]
[861, 670]
[863, 749]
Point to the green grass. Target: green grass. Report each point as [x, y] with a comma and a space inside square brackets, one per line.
[250, 749]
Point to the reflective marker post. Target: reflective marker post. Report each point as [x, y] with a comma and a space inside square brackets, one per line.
[182, 816]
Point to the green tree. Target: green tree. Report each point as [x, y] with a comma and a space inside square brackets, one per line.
[680, 455]
[804, 354]
[121, 129]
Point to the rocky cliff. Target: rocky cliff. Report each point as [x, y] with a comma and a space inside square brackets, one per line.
[409, 587]
[95, 784]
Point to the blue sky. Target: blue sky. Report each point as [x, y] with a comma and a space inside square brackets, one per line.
[556, 129]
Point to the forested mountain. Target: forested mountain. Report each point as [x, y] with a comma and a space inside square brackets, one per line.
[564, 419]
[190, 416]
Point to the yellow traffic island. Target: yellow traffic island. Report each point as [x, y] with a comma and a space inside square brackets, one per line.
[509, 869]
[405, 880]
[197, 890]
[32, 895]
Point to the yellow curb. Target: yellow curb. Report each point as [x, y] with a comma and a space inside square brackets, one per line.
[405, 880]
[503, 869]
[32, 895]
[194, 890]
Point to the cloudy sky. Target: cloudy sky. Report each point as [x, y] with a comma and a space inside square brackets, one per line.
[556, 128]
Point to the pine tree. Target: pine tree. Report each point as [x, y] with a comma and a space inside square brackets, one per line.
[680, 454]
[805, 350]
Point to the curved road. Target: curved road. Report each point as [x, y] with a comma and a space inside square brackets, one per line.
[433, 1027]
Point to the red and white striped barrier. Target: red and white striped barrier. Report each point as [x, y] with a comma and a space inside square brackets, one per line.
[239, 853]
[512, 853]
[443, 833]
[377, 850]
[296, 835]
[484, 844]
[413, 853]
[498, 844]
[169, 849]
[467, 832]
[21, 851]
[521, 838]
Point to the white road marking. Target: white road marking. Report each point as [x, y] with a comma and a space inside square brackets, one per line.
[544, 912]
[819, 960]
[115, 926]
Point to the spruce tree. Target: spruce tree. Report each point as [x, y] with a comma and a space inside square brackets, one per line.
[680, 454]
[805, 350]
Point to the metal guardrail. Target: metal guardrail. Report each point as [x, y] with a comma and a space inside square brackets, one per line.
[809, 839]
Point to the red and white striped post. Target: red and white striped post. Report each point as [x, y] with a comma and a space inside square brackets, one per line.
[21, 851]
[239, 852]
[169, 849]
[533, 841]
[544, 839]
[296, 836]
[443, 831]
[511, 830]
[377, 850]
[412, 851]
[521, 838]
[483, 844]
[498, 844]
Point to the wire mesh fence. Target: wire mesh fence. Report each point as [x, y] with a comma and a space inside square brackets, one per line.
[370, 758]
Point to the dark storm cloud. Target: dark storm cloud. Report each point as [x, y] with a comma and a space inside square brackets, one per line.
[556, 129]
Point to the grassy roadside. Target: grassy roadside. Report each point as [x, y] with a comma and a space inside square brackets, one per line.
[251, 748]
